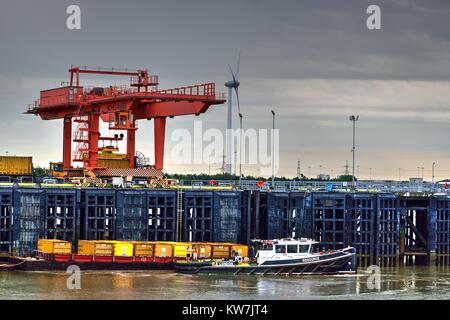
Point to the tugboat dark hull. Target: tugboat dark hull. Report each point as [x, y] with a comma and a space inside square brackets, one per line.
[342, 261]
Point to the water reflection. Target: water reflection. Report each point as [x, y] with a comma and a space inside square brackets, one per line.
[405, 283]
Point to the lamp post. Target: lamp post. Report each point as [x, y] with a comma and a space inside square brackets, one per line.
[353, 119]
[432, 173]
[240, 149]
[273, 147]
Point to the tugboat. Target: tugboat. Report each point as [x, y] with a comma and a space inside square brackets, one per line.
[280, 257]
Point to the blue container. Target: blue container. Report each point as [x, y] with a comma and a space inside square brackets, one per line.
[161, 215]
[6, 219]
[131, 215]
[28, 220]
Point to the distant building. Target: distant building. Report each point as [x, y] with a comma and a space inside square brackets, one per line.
[323, 177]
[416, 184]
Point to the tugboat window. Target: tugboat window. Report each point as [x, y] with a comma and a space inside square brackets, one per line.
[303, 249]
[280, 249]
[292, 248]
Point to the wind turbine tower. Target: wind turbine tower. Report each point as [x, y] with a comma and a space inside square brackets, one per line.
[232, 84]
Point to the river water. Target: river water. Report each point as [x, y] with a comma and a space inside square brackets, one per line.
[405, 283]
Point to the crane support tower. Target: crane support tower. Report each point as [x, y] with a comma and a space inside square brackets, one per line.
[121, 107]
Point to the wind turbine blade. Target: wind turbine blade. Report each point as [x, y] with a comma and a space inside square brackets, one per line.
[232, 74]
[238, 64]
[237, 98]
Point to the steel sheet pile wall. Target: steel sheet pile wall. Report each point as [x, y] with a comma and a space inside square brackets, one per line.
[328, 216]
[227, 217]
[6, 208]
[388, 220]
[131, 215]
[361, 227]
[162, 215]
[28, 225]
[97, 214]
[198, 216]
[439, 240]
[60, 221]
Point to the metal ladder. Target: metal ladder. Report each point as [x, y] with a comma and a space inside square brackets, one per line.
[179, 229]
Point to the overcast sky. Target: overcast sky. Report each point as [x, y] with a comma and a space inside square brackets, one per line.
[315, 62]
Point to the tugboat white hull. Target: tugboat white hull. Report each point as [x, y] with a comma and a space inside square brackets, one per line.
[337, 262]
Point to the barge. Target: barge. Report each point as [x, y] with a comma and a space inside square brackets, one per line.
[93, 263]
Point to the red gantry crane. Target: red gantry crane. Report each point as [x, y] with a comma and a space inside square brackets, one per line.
[121, 107]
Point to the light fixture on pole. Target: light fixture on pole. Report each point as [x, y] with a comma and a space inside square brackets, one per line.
[432, 173]
[240, 149]
[353, 119]
[273, 147]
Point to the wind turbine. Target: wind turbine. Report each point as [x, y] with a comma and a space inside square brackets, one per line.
[232, 84]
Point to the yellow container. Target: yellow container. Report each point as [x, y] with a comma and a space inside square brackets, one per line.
[16, 165]
[220, 250]
[123, 249]
[163, 249]
[54, 246]
[204, 250]
[114, 163]
[241, 249]
[180, 249]
[143, 249]
[94, 247]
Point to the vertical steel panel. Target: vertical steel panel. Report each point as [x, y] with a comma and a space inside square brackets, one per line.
[246, 221]
[198, 216]
[441, 209]
[329, 219]
[278, 216]
[61, 215]
[227, 216]
[388, 220]
[361, 227]
[131, 215]
[6, 209]
[297, 212]
[97, 214]
[28, 220]
[161, 215]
